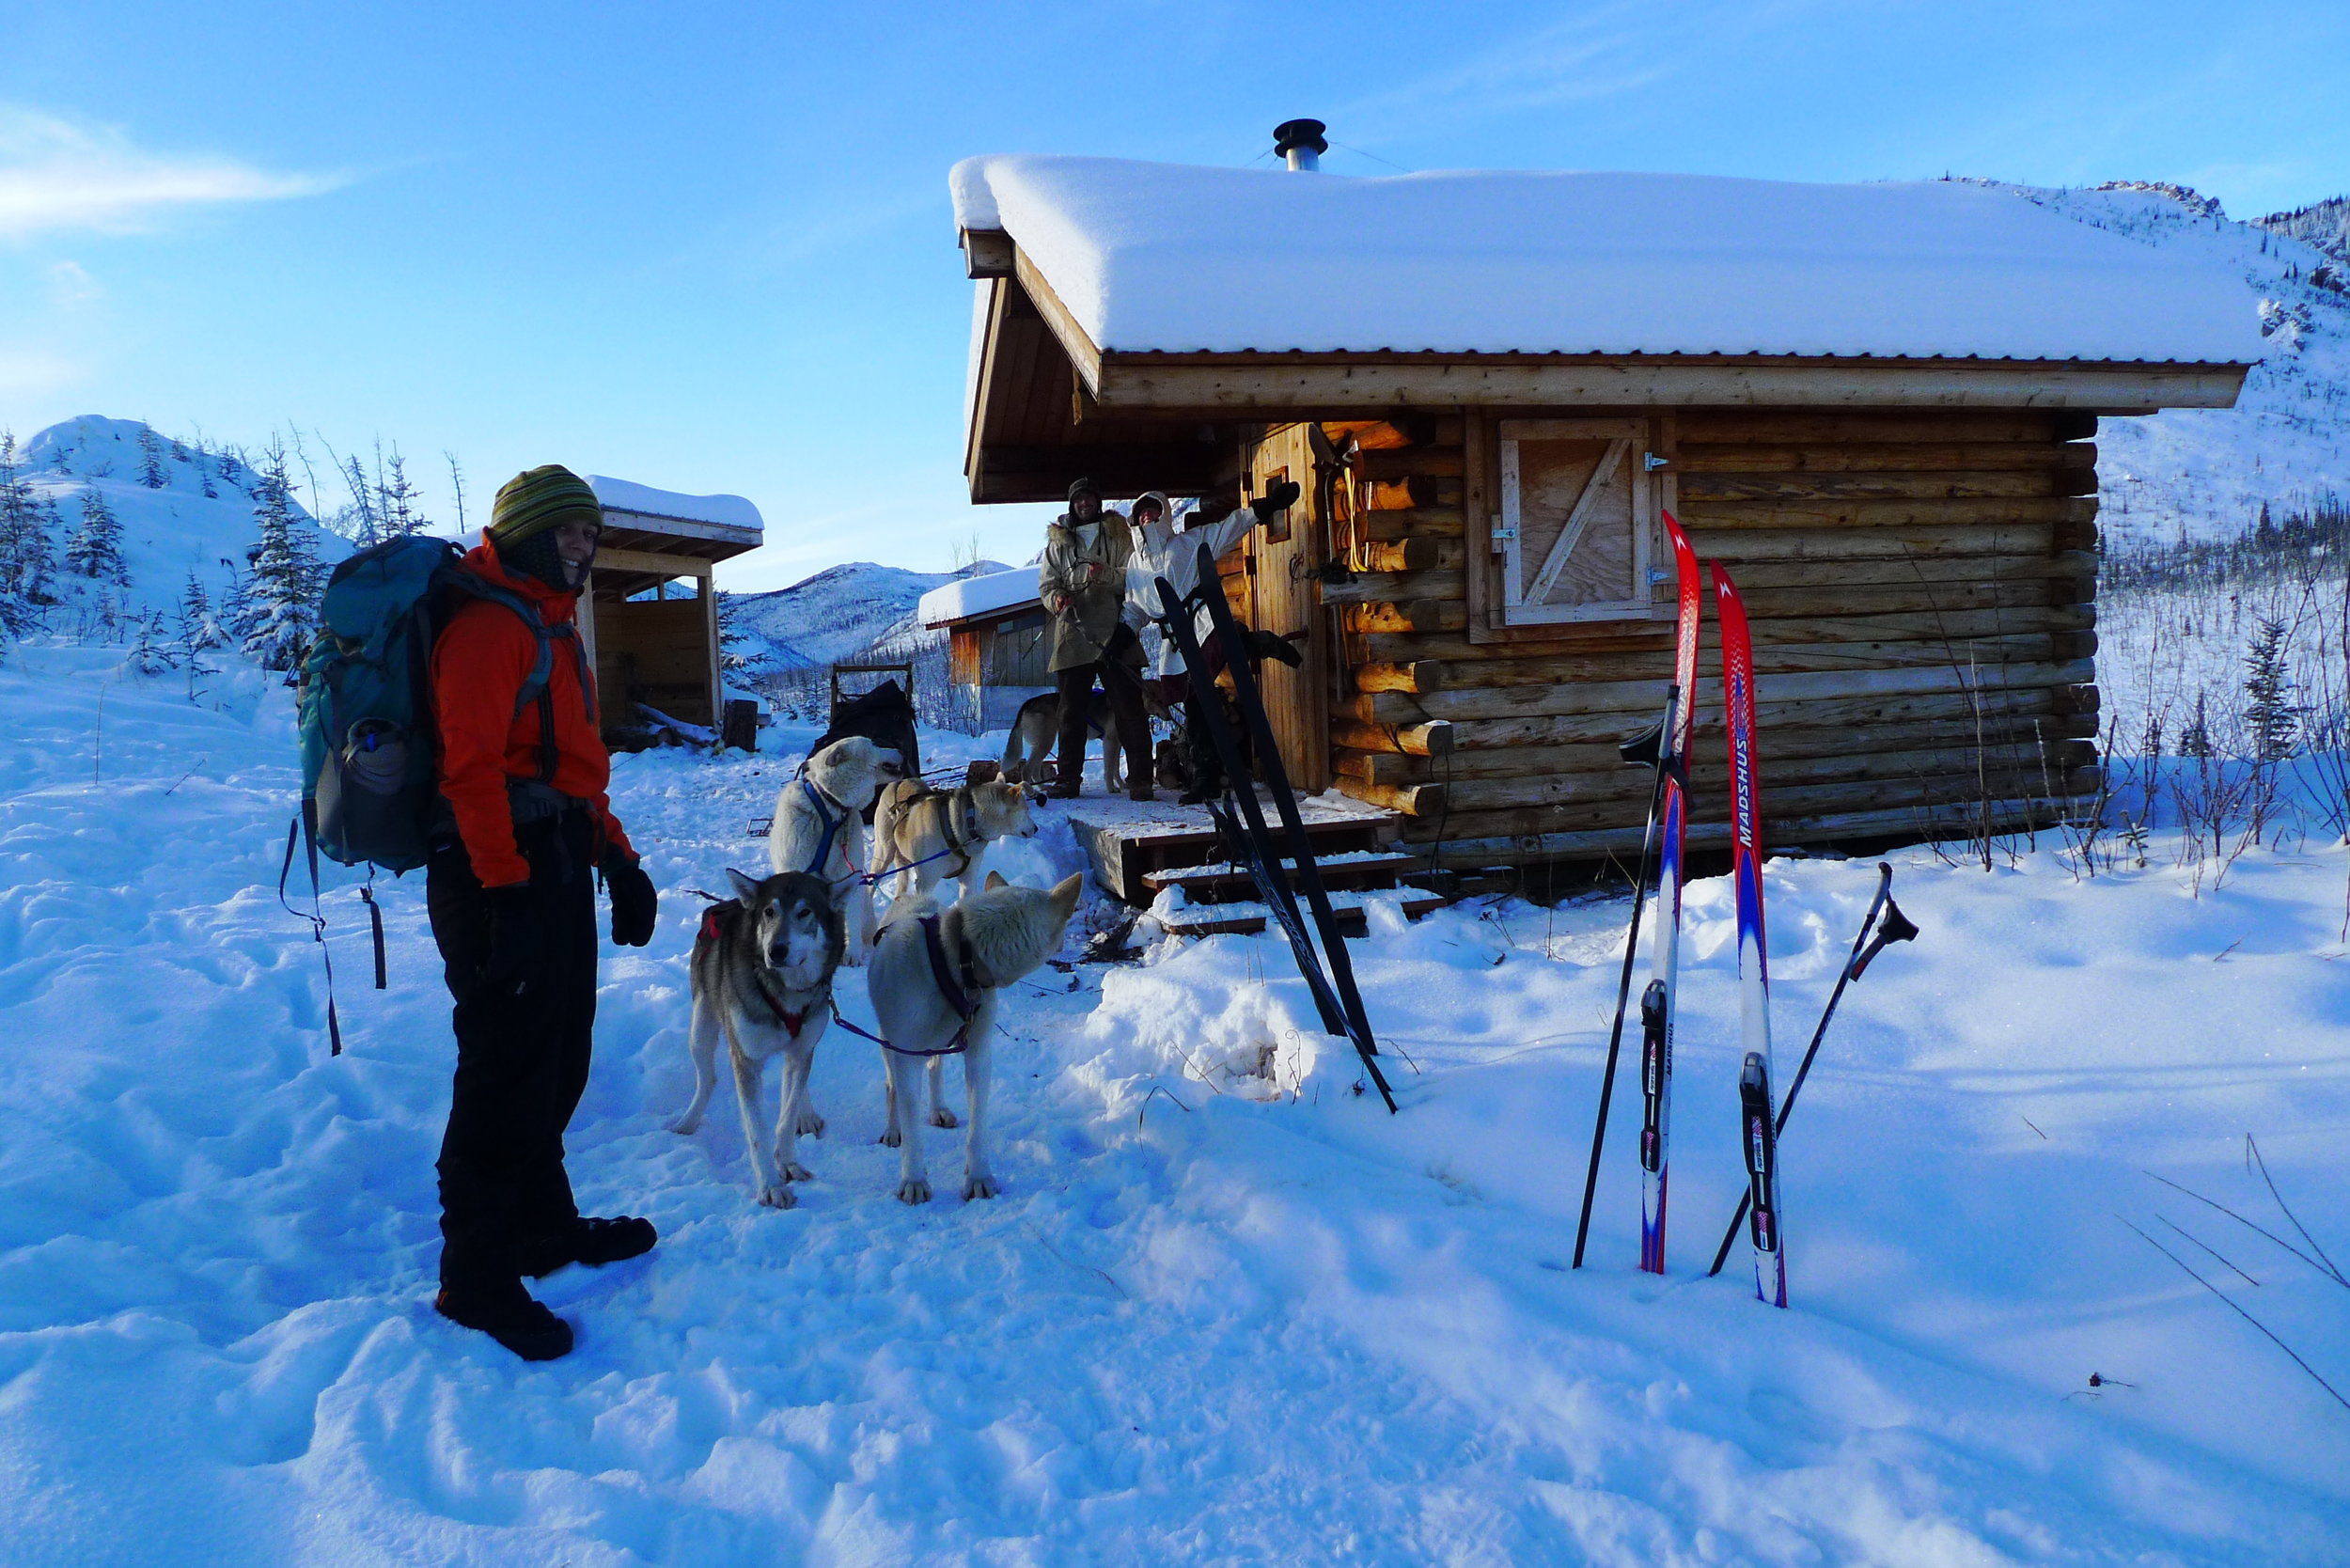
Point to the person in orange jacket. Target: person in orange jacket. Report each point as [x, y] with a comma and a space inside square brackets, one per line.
[510, 892]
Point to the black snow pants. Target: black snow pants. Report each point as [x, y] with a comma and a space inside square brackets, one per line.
[522, 1056]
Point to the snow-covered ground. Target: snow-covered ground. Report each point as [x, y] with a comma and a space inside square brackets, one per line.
[1217, 1315]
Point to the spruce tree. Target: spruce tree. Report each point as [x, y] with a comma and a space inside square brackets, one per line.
[277, 615]
[199, 630]
[27, 560]
[397, 498]
[150, 654]
[2275, 721]
[152, 472]
[95, 548]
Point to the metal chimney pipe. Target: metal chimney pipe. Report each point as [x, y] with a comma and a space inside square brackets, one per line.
[1301, 143]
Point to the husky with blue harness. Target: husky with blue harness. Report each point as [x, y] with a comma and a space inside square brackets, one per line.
[819, 828]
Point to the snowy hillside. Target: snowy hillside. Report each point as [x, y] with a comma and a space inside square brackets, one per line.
[198, 519]
[837, 612]
[2207, 473]
[2325, 225]
[1226, 1308]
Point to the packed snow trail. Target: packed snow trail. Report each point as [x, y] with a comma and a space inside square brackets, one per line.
[1249, 1318]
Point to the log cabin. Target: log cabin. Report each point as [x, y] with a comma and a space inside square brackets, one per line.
[1874, 404]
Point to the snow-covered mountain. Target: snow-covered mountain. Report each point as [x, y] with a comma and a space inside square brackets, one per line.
[839, 611]
[2325, 225]
[197, 518]
[2286, 444]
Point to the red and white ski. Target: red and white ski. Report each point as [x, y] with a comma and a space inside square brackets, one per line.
[1656, 1001]
[1756, 1107]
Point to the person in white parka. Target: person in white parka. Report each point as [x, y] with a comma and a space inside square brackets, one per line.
[1164, 549]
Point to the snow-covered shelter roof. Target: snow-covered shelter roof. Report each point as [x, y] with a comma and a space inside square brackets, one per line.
[967, 597]
[734, 512]
[646, 529]
[1171, 259]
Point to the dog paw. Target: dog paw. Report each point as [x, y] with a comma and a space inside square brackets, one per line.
[977, 1187]
[794, 1171]
[892, 1138]
[916, 1191]
[776, 1196]
[942, 1117]
[809, 1125]
[686, 1125]
[853, 960]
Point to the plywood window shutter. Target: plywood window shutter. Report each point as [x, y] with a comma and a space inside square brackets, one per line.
[1578, 521]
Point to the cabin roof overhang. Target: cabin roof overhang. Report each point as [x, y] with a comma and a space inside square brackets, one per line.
[1047, 404]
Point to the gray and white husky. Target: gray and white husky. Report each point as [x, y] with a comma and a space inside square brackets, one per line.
[762, 971]
[982, 943]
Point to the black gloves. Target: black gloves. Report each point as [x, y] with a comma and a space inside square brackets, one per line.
[1277, 497]
[635, 905]
[514, 937]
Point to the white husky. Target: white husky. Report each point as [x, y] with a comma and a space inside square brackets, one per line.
[932, 983]
[925, 835]
[820, 828]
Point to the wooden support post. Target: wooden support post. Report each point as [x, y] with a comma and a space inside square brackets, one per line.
[706, 590]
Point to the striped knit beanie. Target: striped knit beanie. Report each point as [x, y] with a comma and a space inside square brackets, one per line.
[533, 502]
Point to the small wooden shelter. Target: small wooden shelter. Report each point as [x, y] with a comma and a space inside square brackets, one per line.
[1874, 404]
[661, 652]
[999, 643]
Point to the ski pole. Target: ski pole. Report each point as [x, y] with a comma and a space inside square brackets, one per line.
[1650, 748]
[1896, 927]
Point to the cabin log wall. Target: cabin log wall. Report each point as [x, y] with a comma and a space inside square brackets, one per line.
[1921, 587]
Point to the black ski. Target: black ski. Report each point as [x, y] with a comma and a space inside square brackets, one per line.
[1336, 995]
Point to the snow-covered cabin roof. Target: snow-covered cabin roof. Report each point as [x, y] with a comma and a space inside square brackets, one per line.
[966, 597]
[643, 500]
[1172, 258]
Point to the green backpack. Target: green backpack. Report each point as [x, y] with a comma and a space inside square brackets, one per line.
[370, 785]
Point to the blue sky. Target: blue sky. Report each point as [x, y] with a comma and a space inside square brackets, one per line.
[709, 247]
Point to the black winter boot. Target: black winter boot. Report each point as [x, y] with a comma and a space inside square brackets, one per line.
[509, 1315]
[593, 1242]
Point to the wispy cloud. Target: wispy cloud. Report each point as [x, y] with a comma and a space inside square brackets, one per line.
[58, 176]
[1602, 51]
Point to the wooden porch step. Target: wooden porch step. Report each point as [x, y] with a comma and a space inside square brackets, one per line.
[1225, 884]
[1128, 841]
[1248, 919]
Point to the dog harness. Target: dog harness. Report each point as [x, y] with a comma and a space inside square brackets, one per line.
[833, 821]
[957, 980]
[791, 1021]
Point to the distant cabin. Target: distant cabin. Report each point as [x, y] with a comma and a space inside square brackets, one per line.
[999, 643]
[1873, 403]
[660, 652]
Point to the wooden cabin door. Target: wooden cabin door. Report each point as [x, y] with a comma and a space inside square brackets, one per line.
[1282, 599]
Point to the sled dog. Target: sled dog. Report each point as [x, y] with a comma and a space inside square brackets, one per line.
[762, 971]
[1035, 729]
[925, 835]
[932, 983]
[819, 827]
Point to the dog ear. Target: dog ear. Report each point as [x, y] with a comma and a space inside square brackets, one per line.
[995, 880]
[1065, 895]
[745, 888]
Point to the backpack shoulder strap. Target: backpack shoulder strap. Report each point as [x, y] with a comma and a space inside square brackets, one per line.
[534, 688]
